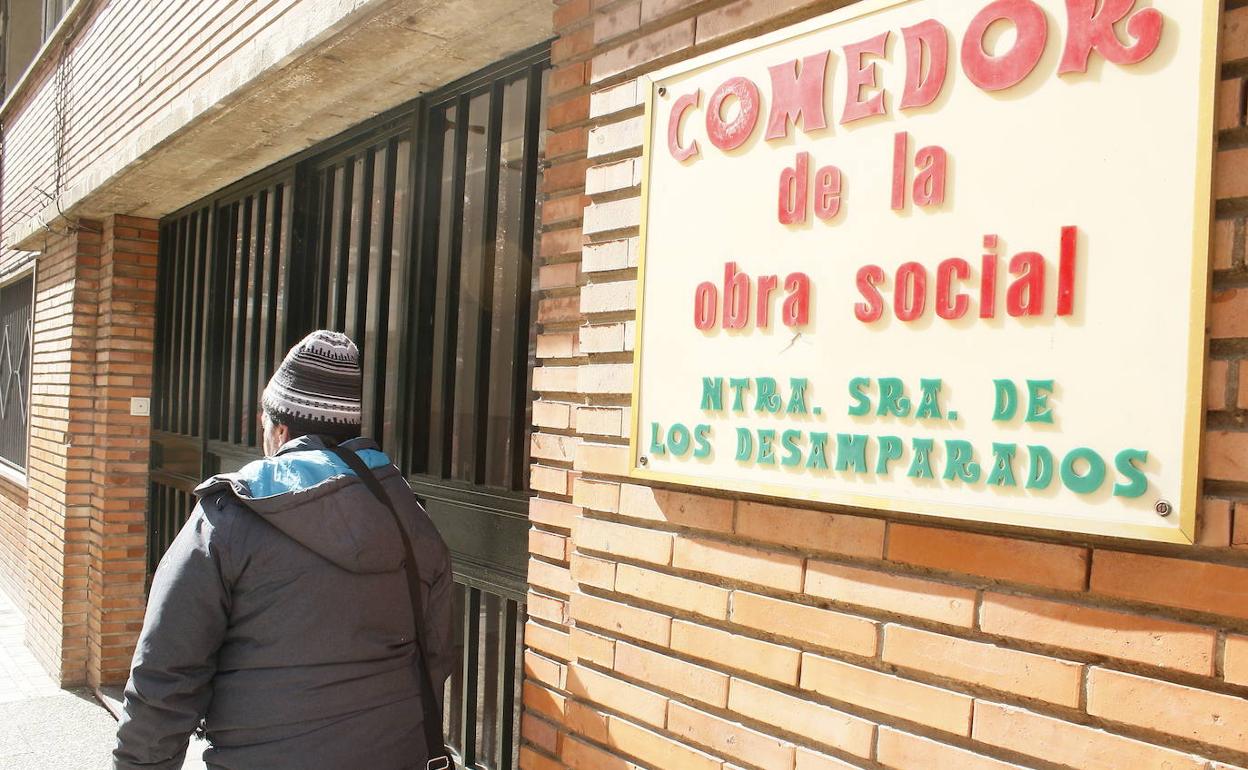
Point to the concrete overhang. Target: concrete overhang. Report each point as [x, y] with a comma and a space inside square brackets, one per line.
[321, 75]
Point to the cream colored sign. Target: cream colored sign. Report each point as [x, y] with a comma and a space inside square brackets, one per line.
[939, 256]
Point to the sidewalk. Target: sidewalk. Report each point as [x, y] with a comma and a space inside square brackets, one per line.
[43, 727]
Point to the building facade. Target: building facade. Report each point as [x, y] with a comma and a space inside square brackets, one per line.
[189, 187]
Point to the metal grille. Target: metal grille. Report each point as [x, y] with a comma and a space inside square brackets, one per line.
[15, 335]
[415, 235]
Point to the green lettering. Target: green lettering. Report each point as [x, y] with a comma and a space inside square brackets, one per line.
[678, 440]
[892, 398]
[768, 399]
[739, 387]
[818, 451]
[851, 451]
[1086, 483]
[766, 447]
[797, 399]
[1038, 392]
[929, 405]
[1041, 473]
[890, 449]
[921, 466]
[961, 462]
[1126, 463]
[792, 452]
[702, 437]
[862, 404]
[656, 440]
[1002, 474]
[1007, 401]
[713, 394]
[745, 445]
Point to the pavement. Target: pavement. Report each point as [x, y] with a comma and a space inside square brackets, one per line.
[44, 727]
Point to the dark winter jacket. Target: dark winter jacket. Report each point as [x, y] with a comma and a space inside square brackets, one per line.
[280, 616]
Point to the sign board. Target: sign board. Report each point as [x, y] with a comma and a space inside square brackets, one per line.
[936, 256]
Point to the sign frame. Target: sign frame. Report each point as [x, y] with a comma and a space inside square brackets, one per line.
[1194, 412]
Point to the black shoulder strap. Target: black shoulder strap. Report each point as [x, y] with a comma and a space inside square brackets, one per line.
[439, 758]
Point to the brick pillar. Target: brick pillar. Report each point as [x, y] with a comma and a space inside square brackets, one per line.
[125, 328]
[59, 466]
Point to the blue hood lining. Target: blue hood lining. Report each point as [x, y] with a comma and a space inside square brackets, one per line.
[297, 471]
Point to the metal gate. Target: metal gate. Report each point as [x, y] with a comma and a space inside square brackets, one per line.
[415, 235]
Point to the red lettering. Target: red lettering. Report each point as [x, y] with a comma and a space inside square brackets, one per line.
[731, 134]
[797, 96]
[901, 159]
[679, 108]
[933, 37]
[766, 285]
[948, 305]
[988, 280]
[910, 297]
[869, 277]
[797, 306]
[827, 192]
[1025, 296]
[705, 306]
[736, 297]
[863, 76]
[793, 191]
[994, 73]
[1089, 28]
[1066, 272]
[929, 183]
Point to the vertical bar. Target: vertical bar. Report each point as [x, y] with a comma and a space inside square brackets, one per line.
[285, 275]
[472, 673]
[485, 289]
[185, 323]
[507, 683]
[175, 327]
[197, 331]
[377, 327]
[399, 306]
[518, 475]
[239, 215]
[160, 411]
[345, 197]
[440, 455]
[267, 253]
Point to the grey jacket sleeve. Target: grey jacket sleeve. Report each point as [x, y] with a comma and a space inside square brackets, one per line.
[439, 625]
[170, 683]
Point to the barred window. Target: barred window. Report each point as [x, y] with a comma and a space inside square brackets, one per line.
[16, 299]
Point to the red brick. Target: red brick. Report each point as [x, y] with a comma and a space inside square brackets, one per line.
[623, 540]
[813, 760]
[761, 659]
[582, 756]
[676, 676]
[1001, 558]
[1226, 455]
[643, 50]
[531, 760]
[585, 722]
[570, 13]
[997, 668]
[632, 622]
[1184, 712]
[1223, 252]
[887, 694]
[1070, 745]
[592, 647]
[898, 594]
[739, 563]
[911, 752]
[1213, 588]
[596, 495]
[1214, 526]
[618, 21]
[823, 724]
[1230, 104]
[595, 572]
[1235, 660]
[812, 530]
[810, 625]
[1215, 385]
[729, 738]
[676, 508]
[638, 703]
[1138, 638]
[1230, 180]
[655, 749]
[1234, 35]
[737, 16]
[569, 111]
[671, 591]
[567, 142]
[571, 45]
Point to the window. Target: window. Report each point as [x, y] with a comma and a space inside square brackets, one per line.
[53, 10]
[16, 299]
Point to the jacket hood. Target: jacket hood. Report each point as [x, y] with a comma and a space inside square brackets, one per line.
[311, 495]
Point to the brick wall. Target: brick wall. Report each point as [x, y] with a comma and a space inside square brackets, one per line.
[677, 630]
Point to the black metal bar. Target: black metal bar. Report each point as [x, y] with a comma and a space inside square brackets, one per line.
[439, 450]
[517, 477]
[472, 673]
[186, 321]
[177, 289]
[507, 669]
[380, 282]
[266, 253]
[346, 195]
[485, 289]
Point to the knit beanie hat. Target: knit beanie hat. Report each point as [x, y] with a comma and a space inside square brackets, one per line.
[316, 390]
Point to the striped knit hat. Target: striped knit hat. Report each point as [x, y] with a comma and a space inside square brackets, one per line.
[316, 390]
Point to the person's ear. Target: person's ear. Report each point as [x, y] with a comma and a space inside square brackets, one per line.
[281, 434]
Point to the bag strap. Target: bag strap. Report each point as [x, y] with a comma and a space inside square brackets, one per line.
[439, 758]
